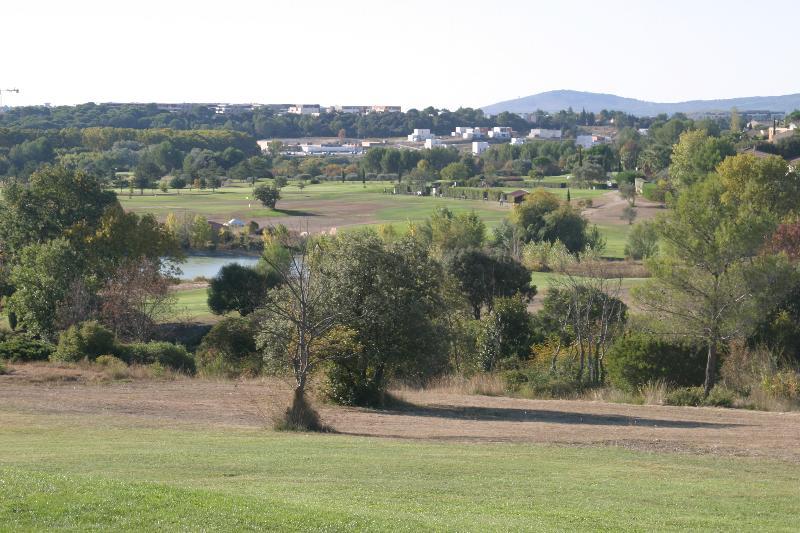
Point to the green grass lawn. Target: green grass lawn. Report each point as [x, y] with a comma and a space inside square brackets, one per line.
[616, 237]
[547, 279]
[236, 201]
[81, 472]
[193, 305]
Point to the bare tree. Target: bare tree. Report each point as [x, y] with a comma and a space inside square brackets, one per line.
[136, 297]
[295, 319]
[590, 313]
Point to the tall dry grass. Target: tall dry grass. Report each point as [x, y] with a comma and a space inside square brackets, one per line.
[481, 384]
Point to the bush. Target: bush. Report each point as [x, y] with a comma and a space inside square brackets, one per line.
[720, 397]
[537, 383]
[229, 349]
[636, 359]
[109, 361]
[692, 396]
[782, 384]
[653, 192]
[345, 386]
[114, 367]
[166, 354]
[19, 348]
[87, 340]
[3, 368]
[642, 241]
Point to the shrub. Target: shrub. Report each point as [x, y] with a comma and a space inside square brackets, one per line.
[3, 368]
[166, 354]
[653, 192]
[642, 241]
[109, 361]
[87, 340]
[782, 384]
[229, 349]
[692, 396]
[345, 386]
[19, 348]
[637, 359]
[114, 367]
[720, 397]
[538, 383]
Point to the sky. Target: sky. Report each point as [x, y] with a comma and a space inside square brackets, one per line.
[448, 54]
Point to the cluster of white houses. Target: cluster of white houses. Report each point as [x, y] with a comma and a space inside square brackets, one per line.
[497, 133]
[469, 133]
[316, 109]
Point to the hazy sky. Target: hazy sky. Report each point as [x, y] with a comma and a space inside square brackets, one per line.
[409, 53]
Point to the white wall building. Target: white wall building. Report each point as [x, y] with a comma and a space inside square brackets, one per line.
[433, 143]
[478, 147]
[540, 133]
[517, 140]
[420, 135]
[333, 149]
[386, 109]
[304, 109]
[500, 132]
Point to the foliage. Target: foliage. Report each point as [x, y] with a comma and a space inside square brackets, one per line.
[709, 285]
[447, 232]
[135, 297]
[695, 155]
[695, 396]
[482, 278]
[229, 348]
[642, 241]
[87, 340]
[505, 333]
[390, 295]
[21, 348]
[268, 196]
[169, 355]
[586, 314]
[636, 359]
[238, 288]
[42, 277]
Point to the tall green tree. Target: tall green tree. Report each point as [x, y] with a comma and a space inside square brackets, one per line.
[390, 296]
[711, 283]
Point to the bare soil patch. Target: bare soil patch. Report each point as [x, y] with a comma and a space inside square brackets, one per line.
[607, 209]
[429, 415]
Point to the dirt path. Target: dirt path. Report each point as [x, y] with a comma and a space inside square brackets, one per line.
[432, 416]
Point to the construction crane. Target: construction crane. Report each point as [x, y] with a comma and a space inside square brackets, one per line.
[6, 91]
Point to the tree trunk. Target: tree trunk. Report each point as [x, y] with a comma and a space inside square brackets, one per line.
[711, 368]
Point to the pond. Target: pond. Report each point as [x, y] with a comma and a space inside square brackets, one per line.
[209, 266]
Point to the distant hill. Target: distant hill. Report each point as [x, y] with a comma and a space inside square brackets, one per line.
[578, 100]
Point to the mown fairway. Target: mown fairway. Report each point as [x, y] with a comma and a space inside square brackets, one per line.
[98, 472]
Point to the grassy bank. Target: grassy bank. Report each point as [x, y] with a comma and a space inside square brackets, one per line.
[86, 472]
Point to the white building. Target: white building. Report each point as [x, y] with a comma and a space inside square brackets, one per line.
[304, 109]
[478, 147]
[433, 143]
[517, 140]
[351, 109]
[386, 109]
[500, 132]
[540, 133]
[326, 149]
[587, 141]
[420, 135]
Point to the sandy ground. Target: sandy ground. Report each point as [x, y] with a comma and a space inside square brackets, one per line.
[607, 209]
[437, 416]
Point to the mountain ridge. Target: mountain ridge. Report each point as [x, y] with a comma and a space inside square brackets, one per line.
[552, 101]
